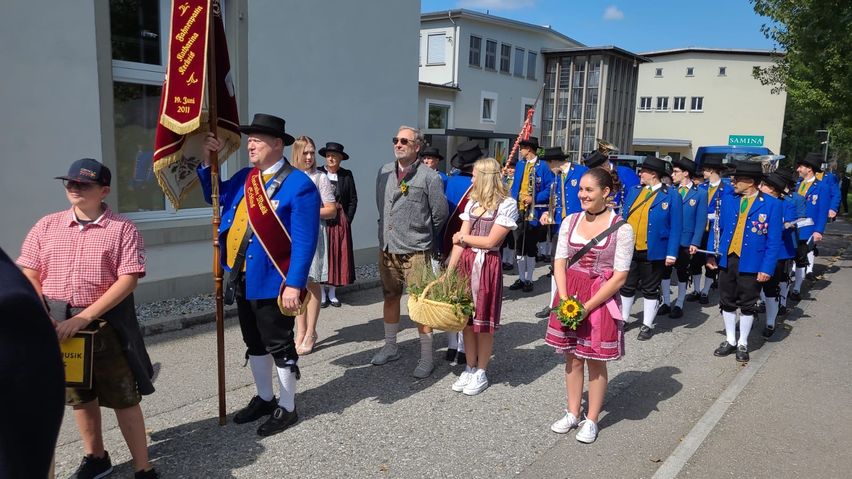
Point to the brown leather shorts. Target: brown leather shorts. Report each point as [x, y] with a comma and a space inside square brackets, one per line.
[395, 270]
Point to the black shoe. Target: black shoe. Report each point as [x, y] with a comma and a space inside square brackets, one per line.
[693, 296]
[256, 409]
[664, 309]
[645, 333]
[546, 259]
[461, 358]
[782, 311]
[629, 325]
[724, 349]
[761, 307]
[149, 474]
[527, 287]
[325, 303]
[280, 420]
[704, 299]
[451, 354]
[742, 354]
[518, 284]
[508, 267]
[539, 258]
[677, 312]
[768, 332]
[94, 467]
[544, 313]
[810, 277]
[795, 296]
[335, 303]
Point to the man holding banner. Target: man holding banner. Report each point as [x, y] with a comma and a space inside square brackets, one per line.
[268, 257]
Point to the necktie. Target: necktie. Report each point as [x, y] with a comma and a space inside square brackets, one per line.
[803, 188]
[682, 190]
[743, 205]
[649, 193]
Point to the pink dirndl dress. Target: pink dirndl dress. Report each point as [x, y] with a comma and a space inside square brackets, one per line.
[484, 267]
[601, 335]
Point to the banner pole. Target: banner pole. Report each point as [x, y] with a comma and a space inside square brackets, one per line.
[213, 117]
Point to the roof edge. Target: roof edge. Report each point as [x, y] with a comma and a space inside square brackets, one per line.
[738, 51]
[463, 12]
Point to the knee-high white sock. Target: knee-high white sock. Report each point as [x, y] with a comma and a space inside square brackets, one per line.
[426, 346]
[332, 292]
[784, 287]
[730, 318]
[530, 267]
[649, 311]
[542, 247]
[626, 305]
[322, 292]
[746, 321]
[287, 382]
[261, 370]
[552, 290]
[666, 287]
[681, 294]
[810, 262]
[522, 268]
[509, 255]
[390, 333]
[800, 277]
[708, 282]
[461, 341]
[771, 311]
[696, 282]
[452, 340]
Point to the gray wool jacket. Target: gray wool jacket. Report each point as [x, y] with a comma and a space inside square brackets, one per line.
[409, 222]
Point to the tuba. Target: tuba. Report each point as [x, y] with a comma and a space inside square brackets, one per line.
[769, 163]
[606, 148]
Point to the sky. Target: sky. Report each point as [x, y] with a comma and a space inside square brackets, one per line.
[634, 25]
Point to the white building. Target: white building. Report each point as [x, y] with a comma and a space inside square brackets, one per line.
[692, 97]
[478, 76]
[83, 79]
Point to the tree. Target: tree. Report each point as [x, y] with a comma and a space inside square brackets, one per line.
[815, 70]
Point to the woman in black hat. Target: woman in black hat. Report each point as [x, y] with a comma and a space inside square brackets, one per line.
[341, 258]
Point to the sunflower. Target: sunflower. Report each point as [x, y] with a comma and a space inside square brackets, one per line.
[570, 312]
[569, 308]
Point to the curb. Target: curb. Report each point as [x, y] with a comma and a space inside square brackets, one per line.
[167, 324]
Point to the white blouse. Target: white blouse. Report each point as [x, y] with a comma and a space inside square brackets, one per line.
[506, 215]
[326, 189]
[623, 245]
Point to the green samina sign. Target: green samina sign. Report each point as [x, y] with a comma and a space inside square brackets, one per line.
[745, 140]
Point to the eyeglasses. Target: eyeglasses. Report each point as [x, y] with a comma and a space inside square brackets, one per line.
[404, 141]
[77, 185]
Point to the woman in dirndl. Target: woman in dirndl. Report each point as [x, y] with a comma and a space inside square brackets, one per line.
[488, 217]
[594, 279]
[341, 260]
[304, 158]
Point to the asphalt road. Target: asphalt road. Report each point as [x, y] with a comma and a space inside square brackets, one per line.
[789, 417]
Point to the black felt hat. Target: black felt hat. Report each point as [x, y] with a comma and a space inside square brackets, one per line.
[595, 158]
[554, 153]
[787, 175]
[813, 160]
[777, 181]
[749, 169]
[88, 170]
[714, 163]
[531, 142]
[685, 164]
[654, 164]
[268, 125]
[332, 147]
[431, 151]
[466, 155]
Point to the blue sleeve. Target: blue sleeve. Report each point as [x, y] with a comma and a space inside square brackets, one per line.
[823, 203]
[543, 195]
[700, 218]
[443, 179]
[676, 222]
[835, 194]
[517, 177]
[773, 240]
[204, 178]
[304, 232]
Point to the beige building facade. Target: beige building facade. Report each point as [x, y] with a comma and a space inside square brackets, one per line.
[693, 97]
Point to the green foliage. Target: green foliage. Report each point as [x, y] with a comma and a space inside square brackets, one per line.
[452, 287]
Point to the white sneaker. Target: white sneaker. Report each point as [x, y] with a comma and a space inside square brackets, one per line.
[389, 352]
[462, 381]
[565, 424]
[424, 369]
[478, 383]
[588, 432]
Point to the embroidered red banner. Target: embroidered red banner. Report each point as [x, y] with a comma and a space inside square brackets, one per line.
[454, 224]
[183, 92]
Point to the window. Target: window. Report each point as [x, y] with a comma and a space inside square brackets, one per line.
[659, 72]
[531, 65]
[526, 105]
[723, 71]
[679, 103]
[662, 103]
[435, 47]
[490, 55]
[138, 55]
[645, 103]
[519, 62]
[505, 57]
[475, 51]
[690, 71]
[697, 103]
[489, 107]
[438, 116]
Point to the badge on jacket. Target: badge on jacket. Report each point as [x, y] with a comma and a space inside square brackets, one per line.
[761, 218]
[274, 203]
[574, 182]
[814, 199]
[692, 202]
[665, 206]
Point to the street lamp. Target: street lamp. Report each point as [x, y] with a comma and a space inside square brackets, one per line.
[827, 139]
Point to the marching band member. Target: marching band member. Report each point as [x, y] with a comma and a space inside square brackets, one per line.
[566, 201]
[624, 177]
[507, 251]
[530, 189]
[655, 213]
[817, 198]
[692, 233]
[750, 225]
[458, 189]
[716, 188]
[834, 187]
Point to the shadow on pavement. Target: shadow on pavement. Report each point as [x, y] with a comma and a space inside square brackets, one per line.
[641, 391]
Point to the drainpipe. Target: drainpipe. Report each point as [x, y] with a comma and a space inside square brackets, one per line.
[455, 47]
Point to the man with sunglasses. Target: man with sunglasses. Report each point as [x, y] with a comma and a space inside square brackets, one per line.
[86, 262]
[412, 209]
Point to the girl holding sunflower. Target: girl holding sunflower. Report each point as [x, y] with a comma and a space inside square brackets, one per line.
[589, 285]
[489, 215]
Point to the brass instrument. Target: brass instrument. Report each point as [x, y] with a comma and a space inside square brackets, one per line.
[606, 148]
[551, 201]
[769, 163]
[530, 208]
